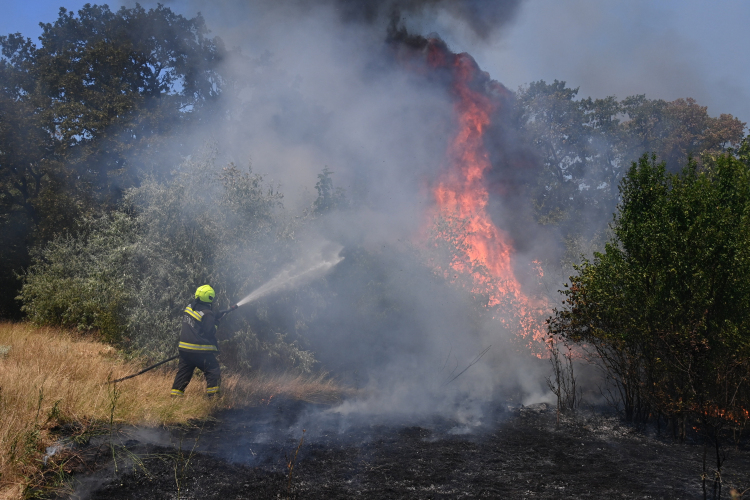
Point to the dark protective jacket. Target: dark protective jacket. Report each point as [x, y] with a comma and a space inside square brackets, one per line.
[198, 328]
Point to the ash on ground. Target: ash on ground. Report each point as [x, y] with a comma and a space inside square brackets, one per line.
[516, 451]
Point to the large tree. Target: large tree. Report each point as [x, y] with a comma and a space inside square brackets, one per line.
[86, 110]
[677, 130]
[585, 145]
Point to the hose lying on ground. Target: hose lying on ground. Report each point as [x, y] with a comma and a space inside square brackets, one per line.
[145, 369]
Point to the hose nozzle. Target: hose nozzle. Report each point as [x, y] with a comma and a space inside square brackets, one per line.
[226, 311]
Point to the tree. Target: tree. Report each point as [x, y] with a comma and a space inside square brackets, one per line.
[585, 145]
[677, 130]
[555, 121]
[666, 307]
[83, 114]
[117, 81]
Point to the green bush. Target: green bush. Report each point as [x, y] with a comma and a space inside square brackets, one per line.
[129, 274]
[85, 282]
[667, 305]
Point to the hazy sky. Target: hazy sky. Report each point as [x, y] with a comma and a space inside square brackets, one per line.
[664, 49]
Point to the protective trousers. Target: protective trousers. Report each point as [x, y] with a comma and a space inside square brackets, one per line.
[205, 362]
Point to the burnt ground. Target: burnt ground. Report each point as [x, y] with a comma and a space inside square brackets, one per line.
[516, 452]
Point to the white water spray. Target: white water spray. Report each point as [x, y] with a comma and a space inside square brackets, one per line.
[299, 273]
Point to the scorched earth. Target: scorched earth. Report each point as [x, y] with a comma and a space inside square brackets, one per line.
[516, 452]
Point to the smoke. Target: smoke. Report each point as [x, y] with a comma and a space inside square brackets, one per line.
[666, 50]
[319, 84]
[482, 17]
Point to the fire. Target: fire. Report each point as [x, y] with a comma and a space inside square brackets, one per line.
[462, 191]
[735, 415]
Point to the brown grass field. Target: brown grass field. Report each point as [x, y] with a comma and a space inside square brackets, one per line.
[50, 377]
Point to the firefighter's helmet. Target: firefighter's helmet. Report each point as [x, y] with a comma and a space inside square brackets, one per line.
[205, 294]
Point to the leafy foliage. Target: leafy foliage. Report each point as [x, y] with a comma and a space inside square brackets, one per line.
[666, 306]
[84, 282]
[129, 275]
[584, 147]
[85, 113]
[104, 85]
[585, 144]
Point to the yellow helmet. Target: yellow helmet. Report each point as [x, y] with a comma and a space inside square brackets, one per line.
[205, 294]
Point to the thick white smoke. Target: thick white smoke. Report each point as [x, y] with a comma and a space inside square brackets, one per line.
[316, 86]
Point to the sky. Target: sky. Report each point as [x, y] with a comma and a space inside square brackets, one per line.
[665, 49]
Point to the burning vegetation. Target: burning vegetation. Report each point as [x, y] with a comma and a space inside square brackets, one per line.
[480, 250]
[433, 274]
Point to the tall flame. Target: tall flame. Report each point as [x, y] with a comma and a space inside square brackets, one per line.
[462, 190]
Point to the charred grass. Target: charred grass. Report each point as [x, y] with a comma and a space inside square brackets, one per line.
[54, 382]
[518, 452]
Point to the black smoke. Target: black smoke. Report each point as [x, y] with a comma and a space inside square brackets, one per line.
[483, 17]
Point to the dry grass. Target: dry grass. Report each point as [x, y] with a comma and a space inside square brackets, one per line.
[48, 377]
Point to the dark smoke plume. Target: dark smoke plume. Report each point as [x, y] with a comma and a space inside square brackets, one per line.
[482, 16]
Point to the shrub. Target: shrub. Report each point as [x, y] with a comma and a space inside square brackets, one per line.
[129, 274]
[85, 281]
[667, 305]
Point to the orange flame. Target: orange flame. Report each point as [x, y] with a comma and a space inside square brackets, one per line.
[735, 415]
[462, 190]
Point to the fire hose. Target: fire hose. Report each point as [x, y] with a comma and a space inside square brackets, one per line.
[220, 315]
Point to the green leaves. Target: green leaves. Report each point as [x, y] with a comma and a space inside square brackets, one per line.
[129, 274]
[84, 282]
[85, 113]
[672, 288]
[585, 146]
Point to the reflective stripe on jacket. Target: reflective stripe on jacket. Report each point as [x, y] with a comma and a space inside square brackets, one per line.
[197, 347]
[195, 314]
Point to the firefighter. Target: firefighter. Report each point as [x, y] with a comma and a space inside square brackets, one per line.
[198, 345]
